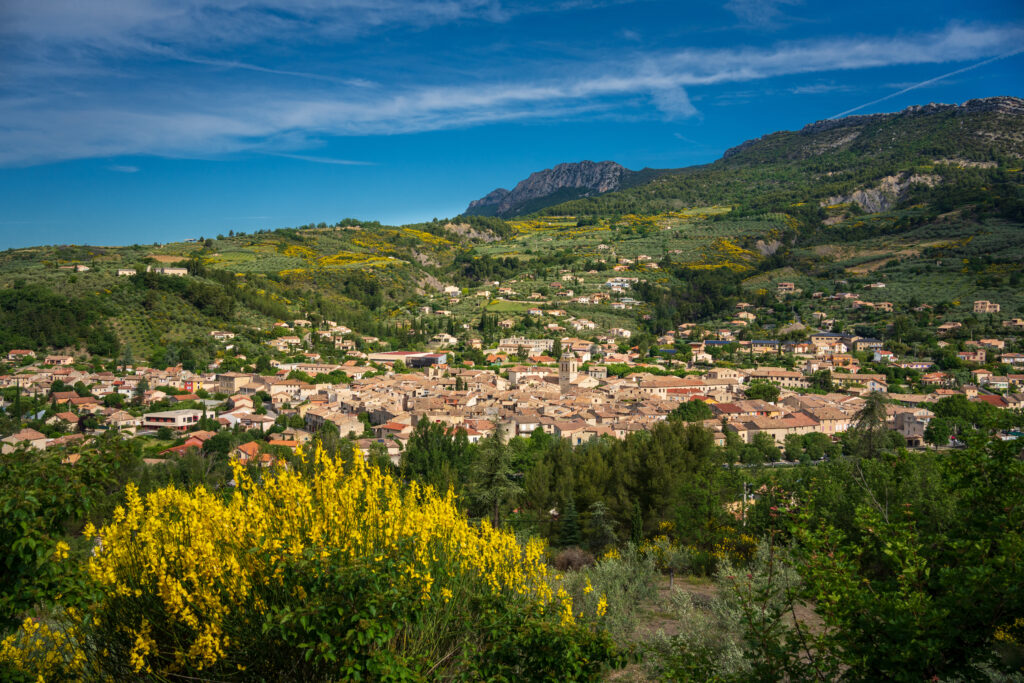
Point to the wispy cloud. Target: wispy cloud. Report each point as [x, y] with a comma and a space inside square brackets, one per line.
[211, 113]
[323, 160]
[759, 13]
[123, 169]
[127, 25]
[820, 88]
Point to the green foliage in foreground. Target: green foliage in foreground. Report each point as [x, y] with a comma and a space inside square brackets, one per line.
[896, 565]
[913, 561]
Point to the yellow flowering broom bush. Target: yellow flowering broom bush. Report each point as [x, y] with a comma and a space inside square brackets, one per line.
[342, 574]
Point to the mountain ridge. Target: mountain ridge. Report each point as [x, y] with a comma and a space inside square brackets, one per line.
[1001, 104]
[583, 187]
[783, 170]
[562, 182]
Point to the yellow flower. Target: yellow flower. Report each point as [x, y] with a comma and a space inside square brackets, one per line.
[203, 562]
[144, 645]
[60, 551]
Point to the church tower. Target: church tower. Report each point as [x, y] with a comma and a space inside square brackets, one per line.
[568, 367]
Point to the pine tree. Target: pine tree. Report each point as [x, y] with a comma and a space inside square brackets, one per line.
[600, 531]
[569, 527]
[491, 483]
[638, 523]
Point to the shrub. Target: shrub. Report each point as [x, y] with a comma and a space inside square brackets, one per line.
[334, 575]
[618, 585]
[572, 559]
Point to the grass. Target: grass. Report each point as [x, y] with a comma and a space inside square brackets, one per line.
[502, 306]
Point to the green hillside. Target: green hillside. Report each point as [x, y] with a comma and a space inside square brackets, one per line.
[929, 200]
[966, 147]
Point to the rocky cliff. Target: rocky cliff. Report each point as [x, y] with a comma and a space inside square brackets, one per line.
[561, 183]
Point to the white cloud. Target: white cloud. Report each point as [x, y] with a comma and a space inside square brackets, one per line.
[123, 169]
[674, 102]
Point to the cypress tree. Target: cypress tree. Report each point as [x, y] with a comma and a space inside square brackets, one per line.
[569, 529]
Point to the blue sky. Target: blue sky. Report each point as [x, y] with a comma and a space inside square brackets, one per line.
[129, 121]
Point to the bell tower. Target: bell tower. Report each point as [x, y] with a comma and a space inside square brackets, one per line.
[568, 367]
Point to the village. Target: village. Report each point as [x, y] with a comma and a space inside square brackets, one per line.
[572, 388]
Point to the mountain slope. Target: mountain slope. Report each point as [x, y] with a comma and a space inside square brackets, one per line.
[562, 183]
[974, 144]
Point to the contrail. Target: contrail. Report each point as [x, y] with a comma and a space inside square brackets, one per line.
[929, 82]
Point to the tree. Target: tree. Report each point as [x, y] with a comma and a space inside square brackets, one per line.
[822, 380]
[569, 526]
[693, 411]
[140, 390]
[492, 485]
[17, 410]
[816, 445]
[637, 524]
[764, 391]
[794, 447]
[938, 431]
[887, 582]
[437, 455]
[599, 528]
[766, 448]
[870, 426]
[684, 352]
[114, 400]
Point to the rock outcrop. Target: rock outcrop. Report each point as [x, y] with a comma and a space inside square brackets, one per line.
[568, 181]
[885, 195]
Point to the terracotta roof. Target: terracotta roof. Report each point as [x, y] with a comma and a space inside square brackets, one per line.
[251, 449]
[27, 434]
